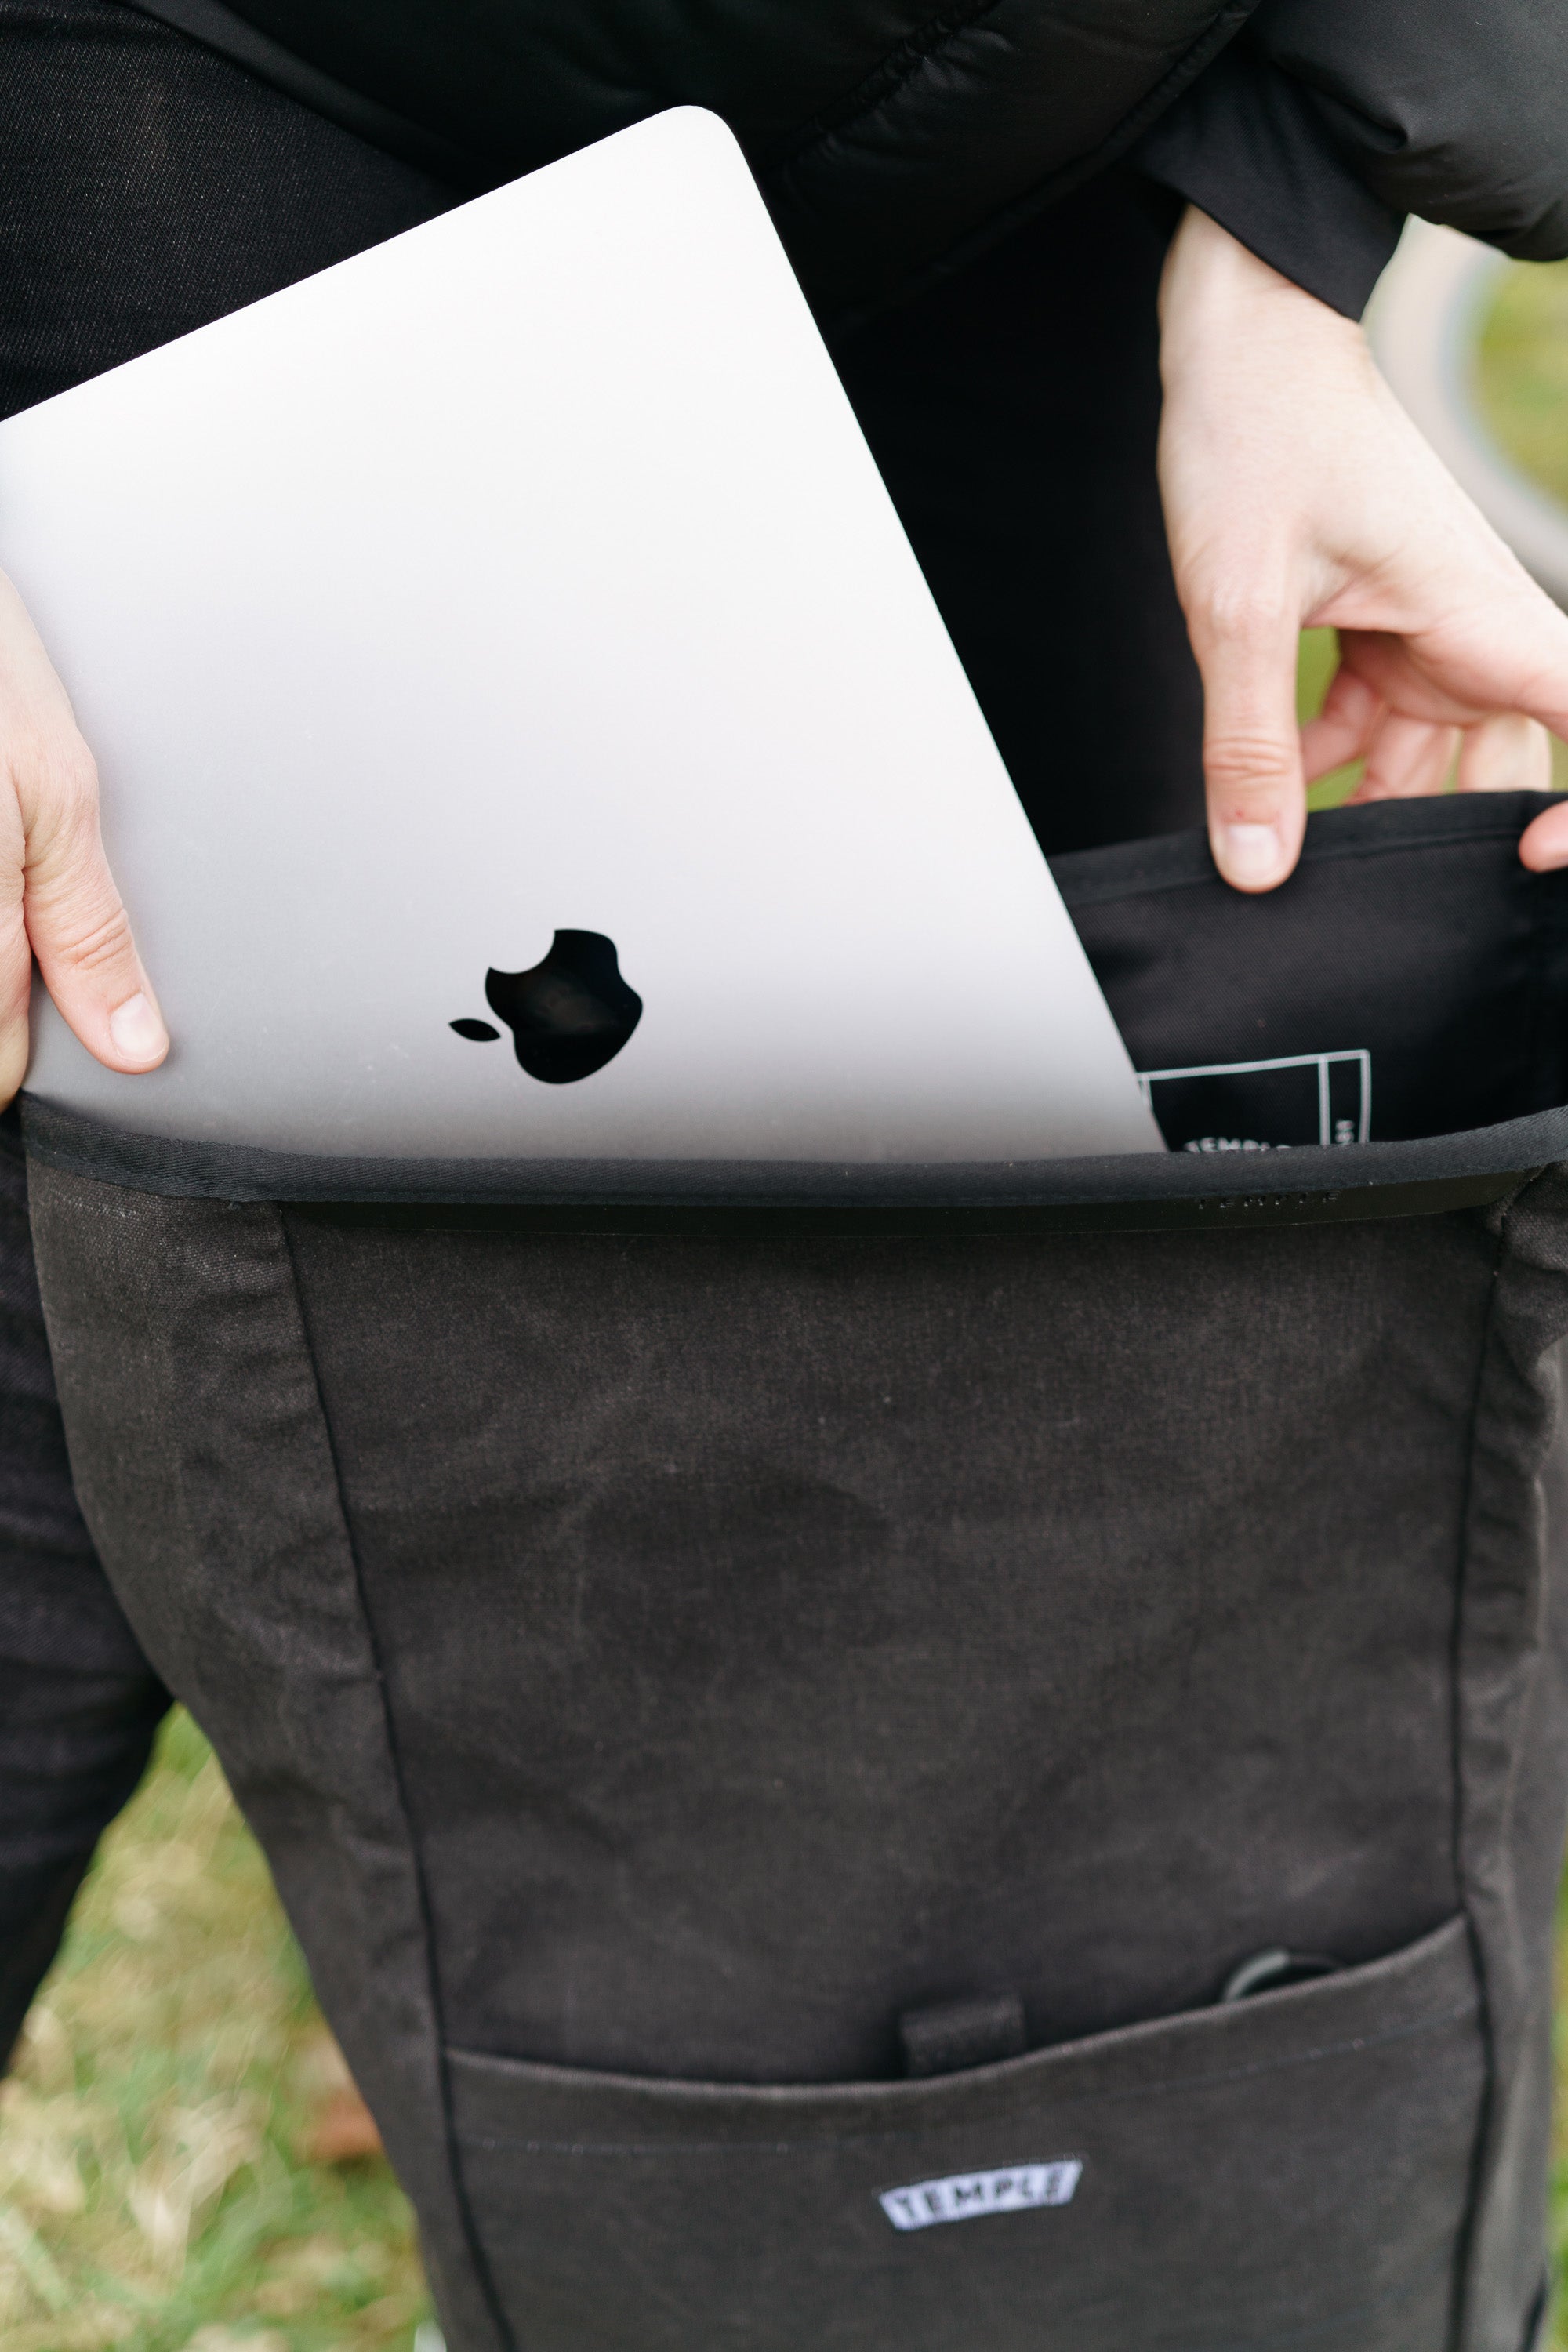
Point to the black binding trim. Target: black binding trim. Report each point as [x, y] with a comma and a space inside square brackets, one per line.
[1184, 861]
[1135, 1192]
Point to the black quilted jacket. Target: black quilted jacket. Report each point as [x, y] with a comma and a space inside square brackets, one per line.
[892, 139]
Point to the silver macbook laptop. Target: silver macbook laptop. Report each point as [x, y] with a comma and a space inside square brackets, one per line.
[525, 731]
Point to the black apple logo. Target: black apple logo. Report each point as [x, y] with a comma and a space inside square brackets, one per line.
[569, 1015]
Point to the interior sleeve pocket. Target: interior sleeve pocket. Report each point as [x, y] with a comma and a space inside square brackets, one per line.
[1289, 2170]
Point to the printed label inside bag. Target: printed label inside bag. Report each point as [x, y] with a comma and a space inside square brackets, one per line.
[965, 2196]
[1271, 1105]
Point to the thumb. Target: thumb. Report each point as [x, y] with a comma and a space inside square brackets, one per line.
[1252, 745]
[81, 932]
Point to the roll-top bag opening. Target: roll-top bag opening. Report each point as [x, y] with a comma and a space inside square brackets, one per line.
[1384, 1034]
[1409, 981]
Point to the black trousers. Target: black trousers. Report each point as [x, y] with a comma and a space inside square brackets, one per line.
[79, 1702]
[147, 188]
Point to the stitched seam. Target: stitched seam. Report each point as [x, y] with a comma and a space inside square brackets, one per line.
[887, 81]
[1355, 2047]
[1061, 182]
[890, 75]
[1463, 2249]
[476, 2251]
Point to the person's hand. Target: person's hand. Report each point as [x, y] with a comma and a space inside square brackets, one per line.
[57, 898]
[1298, 494]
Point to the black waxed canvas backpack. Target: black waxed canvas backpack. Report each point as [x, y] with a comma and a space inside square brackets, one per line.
[920, 1759]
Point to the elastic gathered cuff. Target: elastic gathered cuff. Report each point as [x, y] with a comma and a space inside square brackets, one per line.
[1247, 145]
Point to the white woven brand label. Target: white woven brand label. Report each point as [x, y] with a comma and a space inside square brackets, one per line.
[965, 2196]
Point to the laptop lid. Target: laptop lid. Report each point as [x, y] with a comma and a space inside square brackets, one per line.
[525, 732]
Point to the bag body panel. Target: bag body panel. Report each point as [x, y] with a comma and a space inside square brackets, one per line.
[847, 1629]
[203, 1465]
[253, 1398]
[660, 1654]
[1511, 1688]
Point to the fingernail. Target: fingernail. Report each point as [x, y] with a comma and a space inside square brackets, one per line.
[1252, 853]
[1543, 845]
[136, 1029]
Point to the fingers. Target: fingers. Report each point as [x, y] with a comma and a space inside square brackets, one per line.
[1543, 844]
[1382, 708]
[76, 922]
[1409, 759]
[1345, 728]
[1252, 746]
[1508, 753]
[1295, 484]
[57, 898]
[1503, 652]
[15, 959]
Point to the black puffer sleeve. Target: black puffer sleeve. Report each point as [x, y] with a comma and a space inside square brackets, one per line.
[1329, 120]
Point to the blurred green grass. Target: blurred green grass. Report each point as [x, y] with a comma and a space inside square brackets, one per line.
[158, 2187]
[1522, 371]
[1522, 383]
[1315, 665]
[162, 2188]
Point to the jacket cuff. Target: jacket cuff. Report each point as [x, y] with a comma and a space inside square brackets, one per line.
[1248, 146]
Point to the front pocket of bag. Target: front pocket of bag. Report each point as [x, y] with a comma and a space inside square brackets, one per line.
[1289, 2170]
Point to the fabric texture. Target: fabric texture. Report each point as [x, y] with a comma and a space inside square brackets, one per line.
[1442, 111]
[1014, 413]
[1410, 946]
[79, 1702]
[1329, 120]
[849, 1626]
[147, 188]
[889, 141]
[1248, 146]
[305, 1673]
[892, 145]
